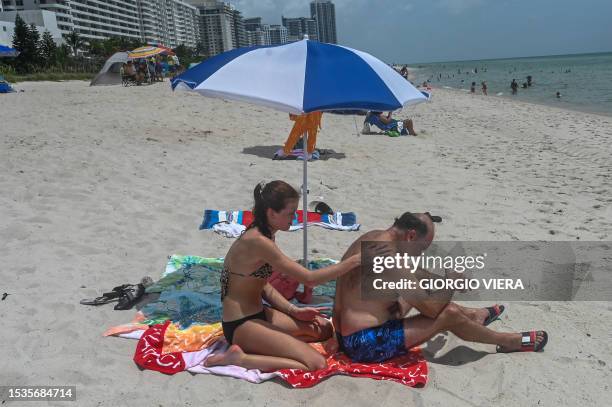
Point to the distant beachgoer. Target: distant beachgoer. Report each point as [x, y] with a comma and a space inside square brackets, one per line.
[159, 70]
[529, 82]
[473, 88]
[514, 86]
[484, 88]
[558, 95]
[151, 66]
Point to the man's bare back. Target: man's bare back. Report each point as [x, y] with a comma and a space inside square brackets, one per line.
[351, 313]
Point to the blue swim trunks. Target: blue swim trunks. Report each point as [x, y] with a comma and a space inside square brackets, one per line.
[375, 344]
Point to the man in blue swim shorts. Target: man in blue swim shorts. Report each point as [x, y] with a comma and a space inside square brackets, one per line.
[372, 331]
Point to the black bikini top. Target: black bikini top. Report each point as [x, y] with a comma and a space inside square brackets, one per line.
[263, 272]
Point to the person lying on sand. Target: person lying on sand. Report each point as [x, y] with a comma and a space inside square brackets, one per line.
[274, 337]
[374, 331]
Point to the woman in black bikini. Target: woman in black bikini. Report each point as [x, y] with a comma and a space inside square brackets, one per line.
[271, 338]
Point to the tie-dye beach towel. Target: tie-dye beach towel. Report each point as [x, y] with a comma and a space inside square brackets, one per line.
[180, 329]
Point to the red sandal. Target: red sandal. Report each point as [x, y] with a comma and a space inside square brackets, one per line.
[528, 343]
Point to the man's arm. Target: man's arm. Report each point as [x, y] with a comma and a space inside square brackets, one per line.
[385, 119]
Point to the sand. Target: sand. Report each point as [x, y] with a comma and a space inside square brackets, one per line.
[100, 184]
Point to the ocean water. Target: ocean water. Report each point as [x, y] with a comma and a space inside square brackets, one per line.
[584, 81]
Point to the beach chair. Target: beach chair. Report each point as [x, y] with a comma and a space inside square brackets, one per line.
[127, 80]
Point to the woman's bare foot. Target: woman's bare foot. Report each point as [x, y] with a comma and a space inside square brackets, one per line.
[232, 356]
[515, 343]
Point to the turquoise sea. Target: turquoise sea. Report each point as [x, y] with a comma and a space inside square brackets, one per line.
[584, 81]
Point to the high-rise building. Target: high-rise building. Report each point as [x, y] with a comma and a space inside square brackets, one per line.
[324, 12]
[171, 22]
[300, 26]
[256, 32]
[221, 26]
[103, 19]
[278, 34]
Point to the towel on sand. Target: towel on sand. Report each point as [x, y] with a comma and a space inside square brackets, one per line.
[233, 223]
[409, 369]
[180, 329]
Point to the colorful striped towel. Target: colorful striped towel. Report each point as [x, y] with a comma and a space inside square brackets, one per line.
[175, 332]
[228, 222]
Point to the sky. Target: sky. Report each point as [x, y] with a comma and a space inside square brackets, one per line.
[409, 31]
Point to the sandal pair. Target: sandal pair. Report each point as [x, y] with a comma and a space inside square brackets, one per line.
[126, 296]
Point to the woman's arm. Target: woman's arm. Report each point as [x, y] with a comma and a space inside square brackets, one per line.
[276, 299]
[272, 255]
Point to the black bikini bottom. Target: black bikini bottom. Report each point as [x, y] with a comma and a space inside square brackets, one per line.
[230, 326]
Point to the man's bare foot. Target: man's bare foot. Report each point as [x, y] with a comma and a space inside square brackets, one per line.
[232, 356]
[515, 342]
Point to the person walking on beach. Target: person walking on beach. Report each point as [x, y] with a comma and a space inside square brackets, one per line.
[514, 86]
[484, 88]
[473, 88]
[271, 337]
[372, 331]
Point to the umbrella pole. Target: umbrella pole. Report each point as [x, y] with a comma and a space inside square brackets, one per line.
[305, 199]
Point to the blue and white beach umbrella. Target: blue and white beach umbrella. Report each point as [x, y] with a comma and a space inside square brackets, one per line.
[301, 77]
[8, 51]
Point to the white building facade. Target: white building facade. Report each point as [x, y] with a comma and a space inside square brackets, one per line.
[170, 22]
[42, 19]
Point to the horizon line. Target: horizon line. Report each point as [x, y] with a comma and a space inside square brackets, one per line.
[504, 58]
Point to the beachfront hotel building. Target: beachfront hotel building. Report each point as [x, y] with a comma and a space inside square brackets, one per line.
[256, 32]
[92, 19]
[278, 35]
[300, 26]
[42, 19]
[170, 22]
[221, 27]
[324, 12]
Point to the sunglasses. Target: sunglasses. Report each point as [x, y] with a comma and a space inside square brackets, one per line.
[434, 219]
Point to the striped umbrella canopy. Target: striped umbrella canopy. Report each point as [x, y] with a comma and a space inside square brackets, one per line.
[147, 52]
[301, 77]
[8, 51]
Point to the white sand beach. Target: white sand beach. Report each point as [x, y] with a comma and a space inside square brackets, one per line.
[99, 185]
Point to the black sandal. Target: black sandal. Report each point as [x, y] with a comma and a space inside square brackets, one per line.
[104, 299]
[130, 296]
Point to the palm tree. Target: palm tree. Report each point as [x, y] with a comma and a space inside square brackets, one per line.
[75, 42]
